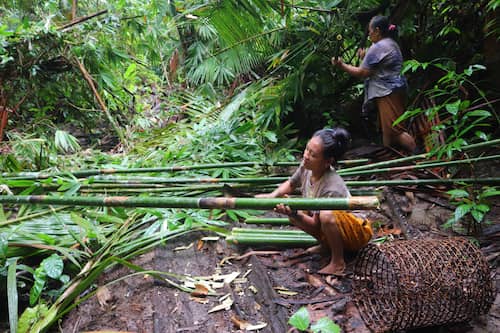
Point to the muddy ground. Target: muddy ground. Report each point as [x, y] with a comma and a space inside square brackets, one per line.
[272, 284]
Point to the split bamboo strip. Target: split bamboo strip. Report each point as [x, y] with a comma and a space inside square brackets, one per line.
[203, 202]
[386, 163]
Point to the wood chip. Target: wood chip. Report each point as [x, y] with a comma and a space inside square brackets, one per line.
[181, 248]
[225, 305]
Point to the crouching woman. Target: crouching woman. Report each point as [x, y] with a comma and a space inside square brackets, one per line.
[316, 178]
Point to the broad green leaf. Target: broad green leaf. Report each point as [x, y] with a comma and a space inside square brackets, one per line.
[38, 285]
[131, 69]
[271, 136]
[453, 108]
[325, 325]
[53, 266]
[30, 316]
[458, 194]
[491, 192]
[479, 113]
[482, 208]
[462, 210]
[300, 319]
[477, 215]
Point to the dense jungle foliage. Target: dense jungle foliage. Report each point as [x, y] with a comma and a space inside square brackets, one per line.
[125, 83]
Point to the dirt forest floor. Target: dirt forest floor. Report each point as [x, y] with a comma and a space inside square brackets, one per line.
[260, 288]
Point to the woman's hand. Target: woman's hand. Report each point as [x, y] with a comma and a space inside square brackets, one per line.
[283, 209]
[264, 195]
[336, 61]
[361, 52]
[286, 210]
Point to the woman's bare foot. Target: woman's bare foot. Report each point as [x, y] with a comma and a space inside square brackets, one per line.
[317, 249]
[333, 269]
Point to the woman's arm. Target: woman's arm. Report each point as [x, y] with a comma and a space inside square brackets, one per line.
[282, 190]
[350, 69]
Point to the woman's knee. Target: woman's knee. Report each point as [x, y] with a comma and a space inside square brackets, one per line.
[328, 220]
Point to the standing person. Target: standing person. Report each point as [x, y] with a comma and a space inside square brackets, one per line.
[316, 177]
[384, 84]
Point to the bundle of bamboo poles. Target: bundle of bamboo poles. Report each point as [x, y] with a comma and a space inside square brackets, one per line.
[104, 180]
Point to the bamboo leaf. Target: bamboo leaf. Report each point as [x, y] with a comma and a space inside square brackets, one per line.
[4, 246]
[12, 297]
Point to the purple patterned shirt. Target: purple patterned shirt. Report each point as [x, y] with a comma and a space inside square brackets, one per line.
[385, 60]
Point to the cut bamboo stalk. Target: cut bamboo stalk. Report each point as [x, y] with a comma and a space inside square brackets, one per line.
[368, 202]
[268, 220]
[270, 237]
[398, 182]
[417, 157]
[175, 168]
[418, 166]
[204, 180]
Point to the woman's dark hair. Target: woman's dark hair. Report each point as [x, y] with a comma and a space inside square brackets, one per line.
[335, 141]
[386, 29]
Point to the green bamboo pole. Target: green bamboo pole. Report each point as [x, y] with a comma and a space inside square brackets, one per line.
[268, 220]
[204, 180]
[341, 162]
[418, 166]
[176, 168]
[270, 237]
[269, 232]
[417, 157]
[108, 171]
[399, 182]
[203, 203]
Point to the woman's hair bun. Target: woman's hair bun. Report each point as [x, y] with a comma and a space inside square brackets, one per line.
[335, 141]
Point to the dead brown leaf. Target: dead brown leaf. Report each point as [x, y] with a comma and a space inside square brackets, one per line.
[103, 296]
[199, 291]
